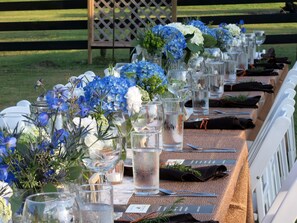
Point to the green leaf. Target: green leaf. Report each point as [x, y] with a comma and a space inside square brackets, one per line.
[209, 41]
[49, 188]
[74, 172]
[16, 203]
[194, 48]
[189, 36]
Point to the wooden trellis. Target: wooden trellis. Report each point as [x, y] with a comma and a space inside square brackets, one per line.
[115, 23]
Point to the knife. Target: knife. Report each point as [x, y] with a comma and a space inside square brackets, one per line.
[178, 195]
[212, 150]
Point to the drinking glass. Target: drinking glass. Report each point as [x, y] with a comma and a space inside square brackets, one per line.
[173, 124]
[146, 152]
[216, 71]
[178, 82]
[200, 94]
[260, 39]
[149, 116]
[95, 203]
[103, 154]
[50, 207]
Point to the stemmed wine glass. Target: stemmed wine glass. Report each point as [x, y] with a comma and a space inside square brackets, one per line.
[104, 149]
[50, 207]
[260, 39]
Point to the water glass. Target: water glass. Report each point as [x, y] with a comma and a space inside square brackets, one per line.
[149, 117]
[260, 39]
[146, 152]
[230, 71]
[216, 70]
[50, 207]
[200, 94]
[178, 82]
[173, 126]
[250, 41]
[95, 203]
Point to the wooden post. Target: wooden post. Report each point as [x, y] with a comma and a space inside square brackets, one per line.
[90, 29]
[174, 8]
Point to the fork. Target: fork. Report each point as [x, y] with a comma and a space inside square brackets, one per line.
[212, 150]
[230, 113]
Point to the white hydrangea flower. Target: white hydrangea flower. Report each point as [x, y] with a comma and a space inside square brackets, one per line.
[134, 100]
[233, 29]
[189, 29]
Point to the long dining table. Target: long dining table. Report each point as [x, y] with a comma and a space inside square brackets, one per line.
[234, 198]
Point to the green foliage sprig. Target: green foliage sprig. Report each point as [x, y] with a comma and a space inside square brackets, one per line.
[238, 98]
[161, 217]
[150, 41]
[153, 86]
[184, 168]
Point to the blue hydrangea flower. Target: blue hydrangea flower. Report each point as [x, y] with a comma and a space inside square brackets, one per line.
[175, 41]
[223, 36]
[142, 70]
[108, 93]
[204, 28]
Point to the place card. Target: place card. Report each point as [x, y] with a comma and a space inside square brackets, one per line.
[138, 208]
[178, 209]
[171, 162]
[184, 208]
[200, 162]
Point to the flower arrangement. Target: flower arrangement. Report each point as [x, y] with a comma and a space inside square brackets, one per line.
[148, 76]
[175, 42]
[193, 36]
[161, 39]
[221, 36]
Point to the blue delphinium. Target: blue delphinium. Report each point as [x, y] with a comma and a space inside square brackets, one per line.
[56, 102]
[175, 41]
[107, 93]
[7, 145]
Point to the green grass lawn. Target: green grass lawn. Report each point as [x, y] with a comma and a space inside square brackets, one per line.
[20, 70]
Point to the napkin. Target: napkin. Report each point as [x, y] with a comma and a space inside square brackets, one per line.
[207, 173]
[267, 65]
[249, 86]
[228, 122]
[249, 102]
[179, 218]
[257, 72]
[270, 57]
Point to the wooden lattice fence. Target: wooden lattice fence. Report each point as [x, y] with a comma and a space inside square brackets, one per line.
[114, 24]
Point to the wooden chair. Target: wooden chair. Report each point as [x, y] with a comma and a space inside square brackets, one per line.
[267, 168]
[24, 103]
[14, 117]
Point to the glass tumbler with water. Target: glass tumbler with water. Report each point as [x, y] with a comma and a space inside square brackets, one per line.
[216, 70]
[200, 94]
[95, 202]
[173, 125]
[146, 152]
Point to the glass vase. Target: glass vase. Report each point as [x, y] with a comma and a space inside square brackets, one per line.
[153, 57]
